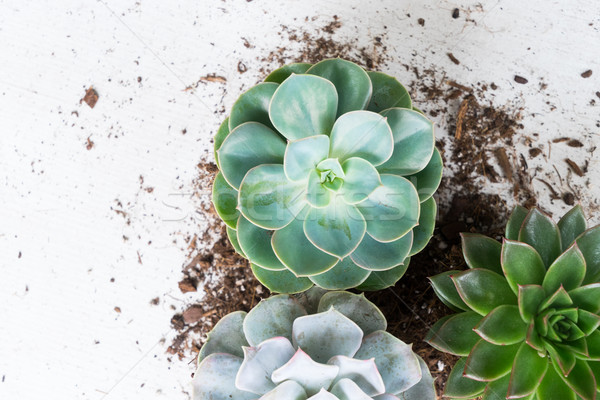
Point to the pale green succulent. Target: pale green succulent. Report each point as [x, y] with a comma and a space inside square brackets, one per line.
[326, 177]
[317, 346]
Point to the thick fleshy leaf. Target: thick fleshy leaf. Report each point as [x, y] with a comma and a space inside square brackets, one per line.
[336, 229]
[589, 244]
[395, 360]
[281, 74]
[527, 372]
[379, 280]
[534, 340]
[424, 390]
[302, 156]
[345, 389]
[363, 372]
[424, 230]
[559, 299]
[220, 136]
[460, 387]
[502, 326]
[317, 194]
[587, 297]
[249, 145]
[304, 105]
[515, 221]
[256, 244]
[387, 93]
[562, 358]
[268, 199]
[363, 134]
[253, 105]
[310, 374]
[311, 298]
[429, 178]
[530, 298]
[380, 256]
[587, 322]
[259, 363]
[413, 142]
[215, 379]
[288, 390]
[488, 362]
[281, 281]
[232, 236]
[225, 198]
[542, 234]
[360, 180]
[582, 380]
[386, 396]
[567, 271]
[392, 210]
[327, 334]
[445, 289]
[481, 252]
[498, 389]
[553, 387]
[351, 82]
[571, 225]
[272, 317]
[455, 335]
[593, 343]
[356, 307]
[483, 290]
[226, 337]
[522, 265]
[344, 275]
[303, 258]
[323, 395]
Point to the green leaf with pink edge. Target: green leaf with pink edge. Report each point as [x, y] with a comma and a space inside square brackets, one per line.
[582, 381]
[460, 387]
[587, 297]
[553, 387]
[481, 252]
[502, 326]
[522, 265]
[488, 362]
[589, 244]
[483, 290]
[568, 271]
[571, 225]
[445, 289]
[527, 372]
[455, 335]
[539, 231]
[515, 221]
[530, 298]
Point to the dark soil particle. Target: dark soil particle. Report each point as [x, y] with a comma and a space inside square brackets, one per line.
[455, 13]
[586, 74]
[520, 79]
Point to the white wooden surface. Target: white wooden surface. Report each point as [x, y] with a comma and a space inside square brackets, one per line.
[61, 239]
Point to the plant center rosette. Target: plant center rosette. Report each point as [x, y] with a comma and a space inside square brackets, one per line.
[326, 177]
[317, 346]
[527, 326]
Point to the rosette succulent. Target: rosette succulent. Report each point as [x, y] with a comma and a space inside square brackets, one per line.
[326, 177]
[528, 307]
[318, 346]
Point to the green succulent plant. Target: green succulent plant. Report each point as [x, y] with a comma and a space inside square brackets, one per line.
[528, 307]
[326, 177]
[319, 345]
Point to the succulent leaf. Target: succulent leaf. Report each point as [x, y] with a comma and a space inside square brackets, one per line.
[530, 298]
[497, 389]
[424, 230]
[281, 74]
[478, 366]
[361, 178]
[302, 156]
[232, 236]
[304, 105]
[380, 256]
[255, 242]
[582, 381]
[362, 134]
[587, 297]
[455, 335]
[483, 290]
[327, 334]
[413, 142]
[395, 360]
[363, 373]
[344, 275]
[425, 389]
[323, 395]
[571, 225]
[260, 362]
[268, 199]
[539, 231]
[345, 389]
[271, 318]
[589, 244]
[280, 281]
[220, 136]
[253, 105]
[379, 280]
[351, 83]
[249, 145]
[318, 194]
[392, 209]
[568, 271]
[313, 376]
[429, 178]
[215, 379]
[445, 289]
[527, 372]
[356, 307]
[521, 264]
[460, 387]
[289, 390]
[553, 387]
[387, 93]
[515, 221]
[224, 198]
[481, 252]
[226, 337]
[502, 326]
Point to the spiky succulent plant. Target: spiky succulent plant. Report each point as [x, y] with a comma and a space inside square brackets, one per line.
[326, 177]
[318, 346]
[529, 311]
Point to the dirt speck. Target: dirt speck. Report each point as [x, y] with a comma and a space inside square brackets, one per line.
[90, 98]
[453, 59]
[89, 144]
[455, 13]
[421, 21]
[586, 74]
[520, 79]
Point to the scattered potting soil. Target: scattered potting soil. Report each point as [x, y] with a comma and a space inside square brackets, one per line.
[479, 150]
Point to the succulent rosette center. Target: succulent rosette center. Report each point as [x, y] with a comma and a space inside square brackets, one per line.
[529, 311]
[326, 177]
[282, 350]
